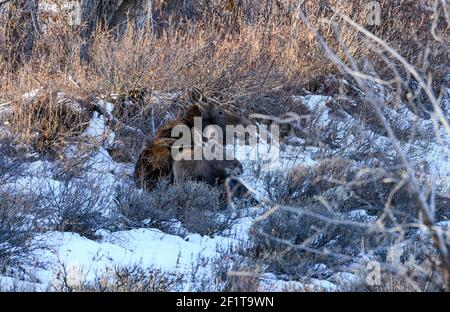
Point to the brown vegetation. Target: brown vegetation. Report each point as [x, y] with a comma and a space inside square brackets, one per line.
[251, 57]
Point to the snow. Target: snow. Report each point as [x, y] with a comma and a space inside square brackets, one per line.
[97, 129]
[269, 282]
[360, 215]
[29, 96]
[86, 260]
[8, 284]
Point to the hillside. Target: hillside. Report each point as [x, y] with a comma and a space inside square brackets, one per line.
[356, 197]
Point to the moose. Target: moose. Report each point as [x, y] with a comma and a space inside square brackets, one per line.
[213, 172]
[156, 161]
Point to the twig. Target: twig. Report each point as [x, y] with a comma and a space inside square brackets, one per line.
[115, 122]
[4, 2]
[4, 105]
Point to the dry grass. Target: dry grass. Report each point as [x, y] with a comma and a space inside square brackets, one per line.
[49, 122]
[118, 279]
[253, 59]
[251, 51]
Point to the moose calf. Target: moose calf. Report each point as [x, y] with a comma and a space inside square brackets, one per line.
[214, 172]
[155, 160]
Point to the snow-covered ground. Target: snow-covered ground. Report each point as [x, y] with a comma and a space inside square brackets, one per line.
[85, 260]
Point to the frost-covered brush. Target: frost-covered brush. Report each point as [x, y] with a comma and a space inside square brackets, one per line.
[116, 123]
[101, 107]
[4, 105]
[365, 77]
[4, 1]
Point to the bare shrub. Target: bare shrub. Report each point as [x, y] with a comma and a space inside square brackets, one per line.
[10, 168]
[20, 218]
[200, 207]
[75, 206]
[410, 275]
[243, 278]
[344, 186]
[19, 224]
[137, 208]
[292, 242]
[302, 181]
[49, 123]
[242, 55]
[223, 275]
[121, 279]
[398, 188]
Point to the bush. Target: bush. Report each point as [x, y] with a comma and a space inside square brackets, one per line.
[11, 159]
[293, 241]
[137, 208]
[19, 223]
[8, 169]
[220, 275]
[48, 122]
[121, 279]
[200, 208]
[75, 206]
[409, 275]
[345, 186]
[304, 182]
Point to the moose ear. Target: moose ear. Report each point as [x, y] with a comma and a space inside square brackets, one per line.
[193, 111]
[196, 95]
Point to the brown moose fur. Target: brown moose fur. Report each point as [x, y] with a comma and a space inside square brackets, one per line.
[213, 172]
[155, 160]
[153, 163]
[224, 172]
